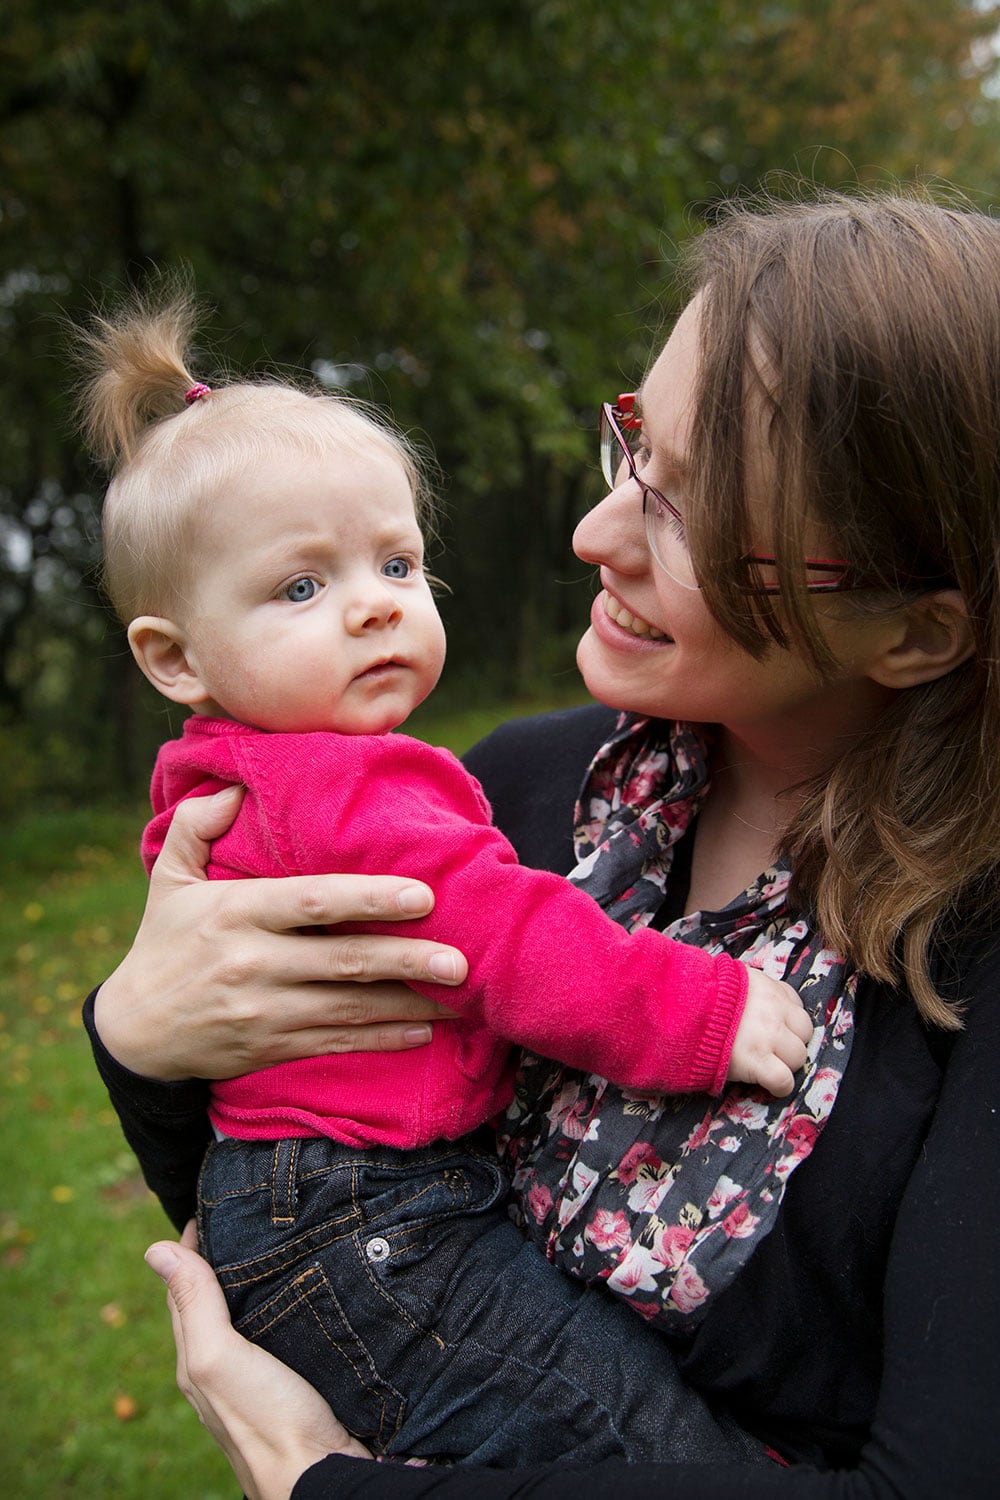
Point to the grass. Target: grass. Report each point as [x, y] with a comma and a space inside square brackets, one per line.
[90, 1407]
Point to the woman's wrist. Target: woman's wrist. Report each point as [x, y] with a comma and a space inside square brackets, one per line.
[119, 1019]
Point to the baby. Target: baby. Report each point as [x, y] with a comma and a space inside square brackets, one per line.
[264, 546]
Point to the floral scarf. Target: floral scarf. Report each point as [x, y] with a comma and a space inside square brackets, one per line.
[665, 1197]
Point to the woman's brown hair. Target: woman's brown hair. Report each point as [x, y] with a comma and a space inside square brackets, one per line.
[867, 333]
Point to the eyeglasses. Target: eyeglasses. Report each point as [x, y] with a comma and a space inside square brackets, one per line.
[623, 454]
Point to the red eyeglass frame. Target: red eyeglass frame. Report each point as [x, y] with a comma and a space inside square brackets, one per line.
[623, 417]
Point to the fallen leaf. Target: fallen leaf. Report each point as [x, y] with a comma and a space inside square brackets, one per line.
[125, 1408]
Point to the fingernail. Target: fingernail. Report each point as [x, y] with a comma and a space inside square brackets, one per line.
[414, 898]
[161, 1259]
[417, 1036]
[229, 792]
[443, 966]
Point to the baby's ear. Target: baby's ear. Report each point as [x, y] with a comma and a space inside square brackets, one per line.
[934, 637]
[160, 648]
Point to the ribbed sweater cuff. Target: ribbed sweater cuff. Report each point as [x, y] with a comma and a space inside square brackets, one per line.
[712, 1055]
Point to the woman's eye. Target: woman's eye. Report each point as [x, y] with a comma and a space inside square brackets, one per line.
[668, 519]
[397, 567]
[300, 590]
[640, 456]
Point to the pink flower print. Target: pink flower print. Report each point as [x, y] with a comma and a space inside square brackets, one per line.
[800, 1137]
[635, 1272]
[584, 1179]
[729, 1143]
[539, 1202]
[843, 1023]
[688, 1290]
[724, 1192]
[800, 1133]
[639, 1155]
[567, 1098]
[647, 1310]
[823, 963]
[671, 1244]
[744, 1109]
[740, 1223]
[822, 1091]
[572, 1121]
[647, 1193]
[607, 1230]
[643, 784]
[702, 1132]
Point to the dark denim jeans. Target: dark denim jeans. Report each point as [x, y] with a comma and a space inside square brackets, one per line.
[396, 1284]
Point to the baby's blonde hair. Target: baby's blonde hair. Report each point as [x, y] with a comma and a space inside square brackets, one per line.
[169, 459]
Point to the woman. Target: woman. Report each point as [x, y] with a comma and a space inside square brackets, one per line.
[801, 549]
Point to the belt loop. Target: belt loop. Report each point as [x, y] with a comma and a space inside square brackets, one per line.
[283, 1182]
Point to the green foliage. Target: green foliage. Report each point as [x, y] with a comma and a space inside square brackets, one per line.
[90, 1405]
[464, 210]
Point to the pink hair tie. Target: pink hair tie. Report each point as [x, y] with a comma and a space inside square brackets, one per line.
[196, 392]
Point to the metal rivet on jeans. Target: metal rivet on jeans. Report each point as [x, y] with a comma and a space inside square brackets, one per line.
[377, 1249]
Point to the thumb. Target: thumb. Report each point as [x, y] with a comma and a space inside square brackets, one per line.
[198, 1314]
[192, 1289]
[196, 822]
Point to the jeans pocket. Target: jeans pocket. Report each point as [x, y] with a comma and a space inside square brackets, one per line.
[305, 1325]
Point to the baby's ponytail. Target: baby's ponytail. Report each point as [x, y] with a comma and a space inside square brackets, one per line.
[165, 474]
[135, 371]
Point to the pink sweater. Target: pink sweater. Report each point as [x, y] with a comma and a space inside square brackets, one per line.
[547, 969]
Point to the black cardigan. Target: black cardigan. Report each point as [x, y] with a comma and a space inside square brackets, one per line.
[888, 1238]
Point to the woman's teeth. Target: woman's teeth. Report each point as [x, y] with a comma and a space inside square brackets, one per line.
[631, 622]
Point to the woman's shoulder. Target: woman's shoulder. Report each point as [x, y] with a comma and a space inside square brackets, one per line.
[560, 731]
[531, 770]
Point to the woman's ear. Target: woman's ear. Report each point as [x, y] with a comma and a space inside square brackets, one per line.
[161, 650]
[934, 637]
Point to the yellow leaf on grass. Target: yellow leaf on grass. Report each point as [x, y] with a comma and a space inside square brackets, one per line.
[125, 1408]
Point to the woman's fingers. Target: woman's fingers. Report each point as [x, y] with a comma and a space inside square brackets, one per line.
[294, 901]
[312, 1020]
[196, 823]
[336, 958]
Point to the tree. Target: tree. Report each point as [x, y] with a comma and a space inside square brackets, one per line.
[461, 209]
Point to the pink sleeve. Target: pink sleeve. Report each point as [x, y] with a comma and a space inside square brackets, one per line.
[547, 969]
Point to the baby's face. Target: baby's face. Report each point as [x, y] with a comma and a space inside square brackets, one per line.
[310, 607]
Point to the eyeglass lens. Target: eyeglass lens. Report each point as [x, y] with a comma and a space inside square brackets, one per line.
[622, 458]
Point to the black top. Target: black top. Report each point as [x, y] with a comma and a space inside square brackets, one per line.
[888, 1237]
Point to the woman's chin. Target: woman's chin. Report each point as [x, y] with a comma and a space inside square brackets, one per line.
[600, 681]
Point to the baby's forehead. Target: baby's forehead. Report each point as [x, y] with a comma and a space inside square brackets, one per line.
[290, 498]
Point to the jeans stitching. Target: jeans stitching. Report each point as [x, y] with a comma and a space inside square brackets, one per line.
[305, 1286]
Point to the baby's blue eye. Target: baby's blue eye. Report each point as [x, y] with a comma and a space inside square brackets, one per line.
[300, 590]
[398, 567]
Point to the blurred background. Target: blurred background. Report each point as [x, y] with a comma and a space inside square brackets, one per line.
[465, 211]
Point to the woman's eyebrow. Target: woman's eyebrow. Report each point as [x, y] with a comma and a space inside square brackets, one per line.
[667, 455]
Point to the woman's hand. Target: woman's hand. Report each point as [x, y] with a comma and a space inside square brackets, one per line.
[268, 1421]
[219, 980]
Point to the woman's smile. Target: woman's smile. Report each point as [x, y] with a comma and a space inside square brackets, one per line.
[626, 620]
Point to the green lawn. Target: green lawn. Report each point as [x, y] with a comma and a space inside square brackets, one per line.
[90, 1407]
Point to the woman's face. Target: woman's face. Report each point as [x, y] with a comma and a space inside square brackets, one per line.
[654, 648]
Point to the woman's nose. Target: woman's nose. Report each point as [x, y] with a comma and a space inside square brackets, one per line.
[613, 534]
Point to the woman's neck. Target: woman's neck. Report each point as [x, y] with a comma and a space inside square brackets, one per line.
[751, 802]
